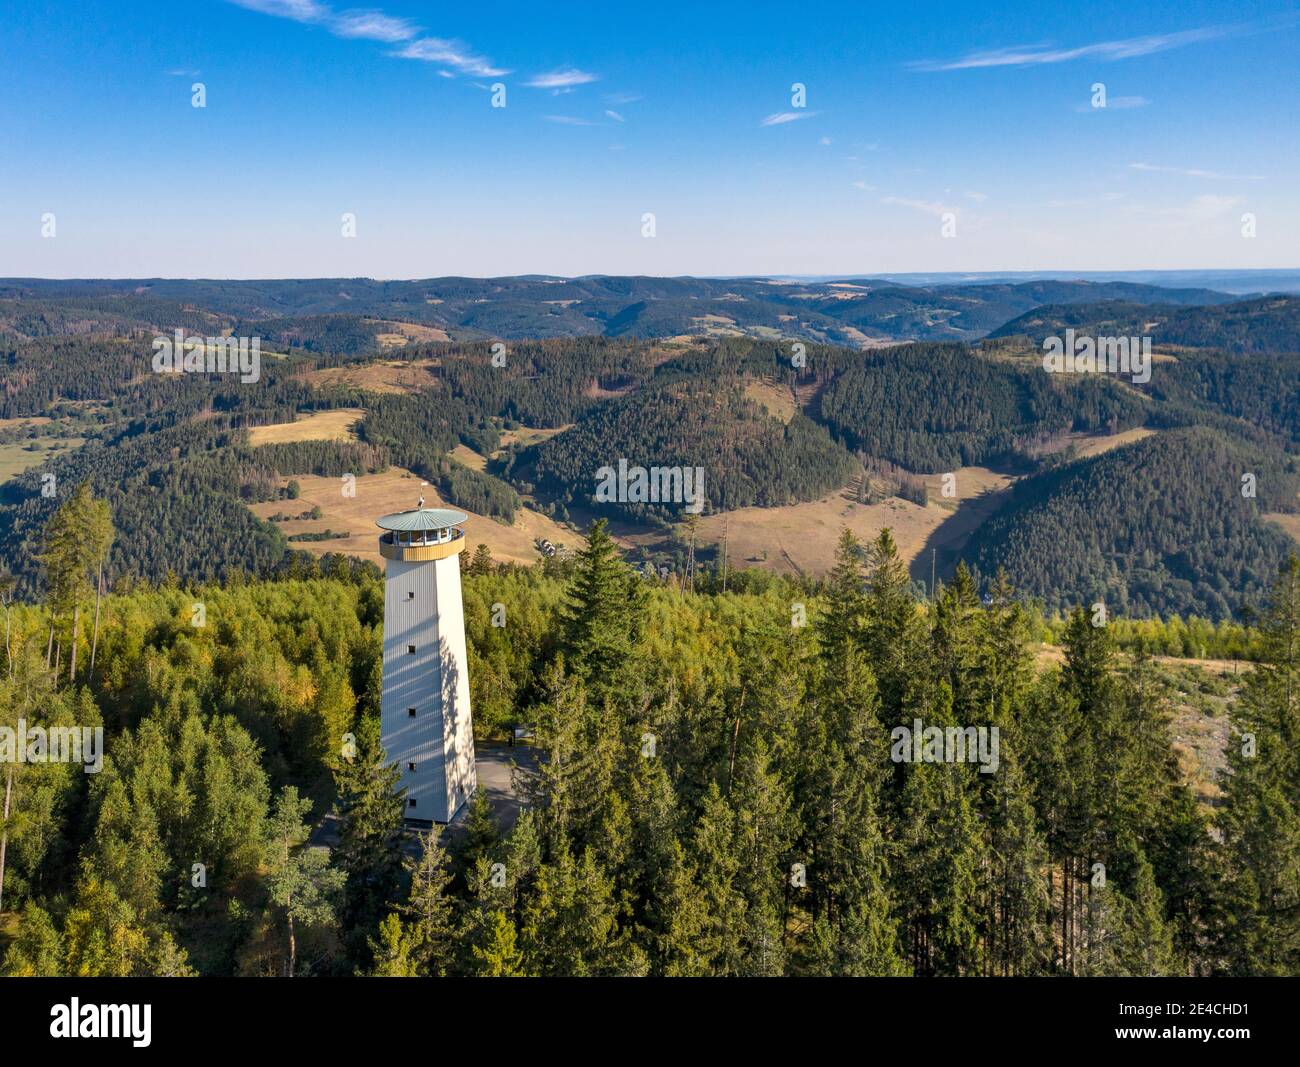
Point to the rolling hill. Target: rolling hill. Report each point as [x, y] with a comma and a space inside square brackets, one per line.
[1268, 324]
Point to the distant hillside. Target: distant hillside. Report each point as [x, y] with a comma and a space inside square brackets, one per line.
[1264, 325]
[854, 313]
[1155, 527]
[748, 457]
[938, 407]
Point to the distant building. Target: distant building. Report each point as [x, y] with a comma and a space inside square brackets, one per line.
[425, 713]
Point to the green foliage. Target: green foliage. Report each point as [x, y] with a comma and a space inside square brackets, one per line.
[1162, 526]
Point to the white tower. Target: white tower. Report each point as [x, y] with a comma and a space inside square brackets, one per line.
[425, 717]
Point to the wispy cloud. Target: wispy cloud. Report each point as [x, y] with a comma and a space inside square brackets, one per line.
[618, 99]
[864, 187]
[298, 10]
[561, 79]
[373, 25]
[1190, 172]
[1036, 54]
[978, 197]
[780, 118]
[569, 120]
[615, 116]
[451, 54]
[1117, 103]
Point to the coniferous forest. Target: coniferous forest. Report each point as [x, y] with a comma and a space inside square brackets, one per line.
[715, 786]
[710, 492]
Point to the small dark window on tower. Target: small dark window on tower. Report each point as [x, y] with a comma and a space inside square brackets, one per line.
[410, 650]
[410, 594]
[411, 803]
[411, 766]
[410, 712]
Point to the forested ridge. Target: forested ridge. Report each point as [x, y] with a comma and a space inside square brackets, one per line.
[171, 451]
[933, 408]
[763, 462]
[1172, 523]
[716, 790]
[317, 310]
[1261, 326]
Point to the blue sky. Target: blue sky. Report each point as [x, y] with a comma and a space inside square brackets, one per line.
[981, 112]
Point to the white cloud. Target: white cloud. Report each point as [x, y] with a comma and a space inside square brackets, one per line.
[615, 116]
[864, 186]
[623, 98]
[1188, 172]
[450, 53]
[561, 79]
[1036, 54]
[824, 141]
[978, 197]
[298, 10]
[372, 26]
[782, 117]
[569, 120]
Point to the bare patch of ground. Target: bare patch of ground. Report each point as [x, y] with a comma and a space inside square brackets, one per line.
[335, 425]
[777, 400]
[1290, 523]
[469, 458]
[389, 376]
[1094, 444]
[801, 538]
[524, 436]
[393, 490]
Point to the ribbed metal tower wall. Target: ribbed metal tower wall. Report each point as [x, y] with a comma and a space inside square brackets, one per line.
[425, 712]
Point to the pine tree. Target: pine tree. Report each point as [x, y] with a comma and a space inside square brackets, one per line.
[1259, 927]
[481, 562]
[394, 951]
[602, 620]
[300, 881]
[370, 809]
[499, 955]
[429, 910]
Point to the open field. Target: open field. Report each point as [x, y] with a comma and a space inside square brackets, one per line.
[1094, 444]
[1290, 524]
[802, 537]
[396, 334]
[389, 376]
[397, 490]
[777, 400]
[468, 457]
[524, 436]
[19, 456]
[336, 425]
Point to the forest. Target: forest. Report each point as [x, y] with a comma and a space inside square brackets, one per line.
[1172, 523]
[1261, 326]
[172, 452]
[713, 791]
